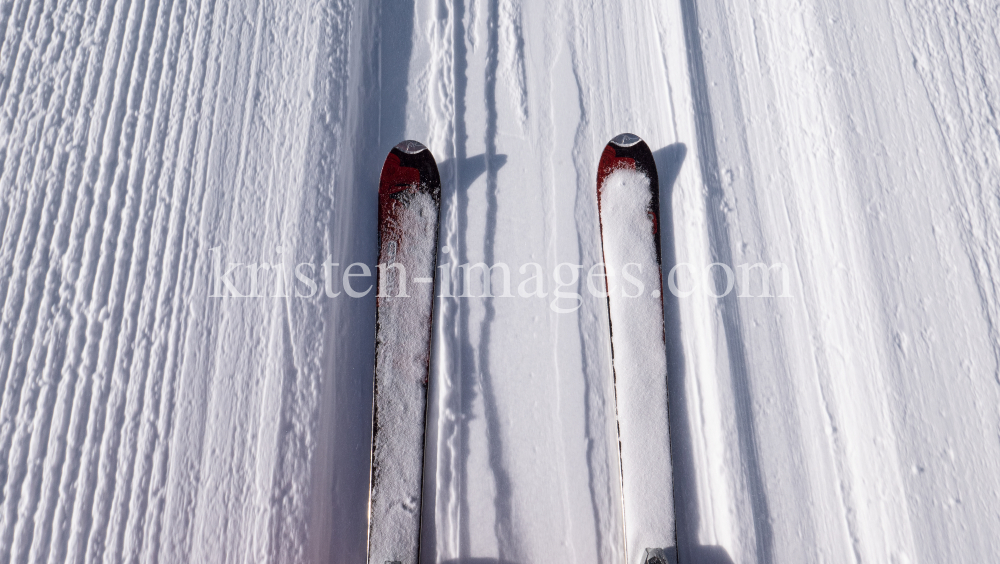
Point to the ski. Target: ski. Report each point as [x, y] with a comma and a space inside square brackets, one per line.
[409, 203]
[628, 206]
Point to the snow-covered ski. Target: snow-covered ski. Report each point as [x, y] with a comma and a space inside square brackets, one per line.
[409, 197]
[628, 204]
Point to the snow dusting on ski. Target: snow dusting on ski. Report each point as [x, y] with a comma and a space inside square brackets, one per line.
[409, 204]
[629, 232]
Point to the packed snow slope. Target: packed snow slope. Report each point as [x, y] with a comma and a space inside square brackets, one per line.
[143, 143]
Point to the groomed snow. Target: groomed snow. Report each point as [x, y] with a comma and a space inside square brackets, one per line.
[854, 142]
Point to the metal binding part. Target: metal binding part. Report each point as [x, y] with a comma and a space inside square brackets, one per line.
[657, 556]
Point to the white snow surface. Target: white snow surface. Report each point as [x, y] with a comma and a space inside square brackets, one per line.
[640, 362]
[855, 142]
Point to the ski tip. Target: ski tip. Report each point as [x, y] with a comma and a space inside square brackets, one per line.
[411, 147]
[626, 139]
[409, 165]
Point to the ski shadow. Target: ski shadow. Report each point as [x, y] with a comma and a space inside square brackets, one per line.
[720, 244]
[669, 160]
[458, 174]
[468, 170]
[395, 48]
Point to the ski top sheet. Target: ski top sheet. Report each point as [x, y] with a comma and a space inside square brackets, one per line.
[409, 203]
[628, 205]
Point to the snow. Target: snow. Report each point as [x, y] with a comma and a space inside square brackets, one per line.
[854, 142]
[401, 363]
[640, 362]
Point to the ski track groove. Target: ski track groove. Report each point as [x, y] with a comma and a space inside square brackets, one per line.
[245, 83]
[138, 435]
[107, 289]
[43, 404]
[500, 44]
[465, 363]
[440, 105]
[153, 429]
[53, 176]
[66, 293]
[609, 542]
[196, 137]
[198, 397]
[16, 62]
[12, 250]
[118, 479]
[91, 212]
[165, 342]
[451, 122]
[981, 212]
[154, 331]
[13, 469]
[608, 537]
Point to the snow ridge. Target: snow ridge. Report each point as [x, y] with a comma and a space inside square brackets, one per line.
[106, 152]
